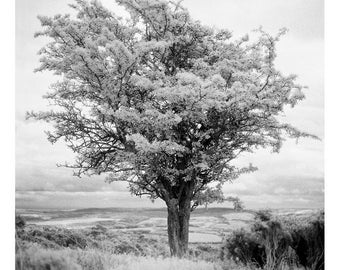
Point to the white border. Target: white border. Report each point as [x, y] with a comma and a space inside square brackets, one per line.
[332, 132]
[7, 140]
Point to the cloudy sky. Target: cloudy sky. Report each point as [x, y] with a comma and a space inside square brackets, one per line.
[292, 178]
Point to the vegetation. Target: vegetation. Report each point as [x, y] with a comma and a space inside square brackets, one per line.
[275, 243]
[96, 238]
[35, 258]
[95, 248]
[309, 242]
[207, 196]
[215, 195]
[19, 222]
[270, 242]
[237, 203]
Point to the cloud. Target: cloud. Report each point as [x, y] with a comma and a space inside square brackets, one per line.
[260, 192]
[304, 18]
[41, 179]
[67, 200]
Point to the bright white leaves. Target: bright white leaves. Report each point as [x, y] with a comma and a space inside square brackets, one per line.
[142, 82]
[151, 119]
[121, 55]
[145, 147]
[296, 94]
[187, 78]
[218, 81]
[195, 94]
[144, 47]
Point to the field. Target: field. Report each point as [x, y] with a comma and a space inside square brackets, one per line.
[120, 238]
[208, 226]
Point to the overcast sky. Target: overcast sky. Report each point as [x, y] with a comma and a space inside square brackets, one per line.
[292, 178]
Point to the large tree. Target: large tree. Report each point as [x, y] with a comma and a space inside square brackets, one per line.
[161, 101]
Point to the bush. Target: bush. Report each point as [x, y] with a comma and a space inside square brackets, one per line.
[275, 243]
[263, 215]
[308, 241]
[53, 237]
[244, 247]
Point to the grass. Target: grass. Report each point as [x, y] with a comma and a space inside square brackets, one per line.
[37, 258]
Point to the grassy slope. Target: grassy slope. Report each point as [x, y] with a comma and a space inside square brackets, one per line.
[38, 258]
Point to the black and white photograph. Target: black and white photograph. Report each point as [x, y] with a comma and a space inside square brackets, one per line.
[170, 135]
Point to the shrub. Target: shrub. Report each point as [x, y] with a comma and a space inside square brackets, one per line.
[263, 215]
[275, 243]
[244, 247]
[54, 237]
[308, 241]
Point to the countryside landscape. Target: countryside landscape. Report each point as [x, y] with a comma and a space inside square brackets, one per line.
[118, 238]
[173, 141]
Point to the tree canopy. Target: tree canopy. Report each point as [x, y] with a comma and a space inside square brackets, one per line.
[159, 100]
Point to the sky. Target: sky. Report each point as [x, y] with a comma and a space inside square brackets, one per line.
[294, 178]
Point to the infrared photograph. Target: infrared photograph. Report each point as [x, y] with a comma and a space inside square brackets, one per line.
[171, 135]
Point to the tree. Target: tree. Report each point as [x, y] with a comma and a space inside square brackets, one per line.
[161, 101]
[207, 196]
[237, 203]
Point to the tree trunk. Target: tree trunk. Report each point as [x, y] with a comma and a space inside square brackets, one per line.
[178, 226]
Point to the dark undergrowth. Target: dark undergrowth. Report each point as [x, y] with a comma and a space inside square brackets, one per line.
[278, 243]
